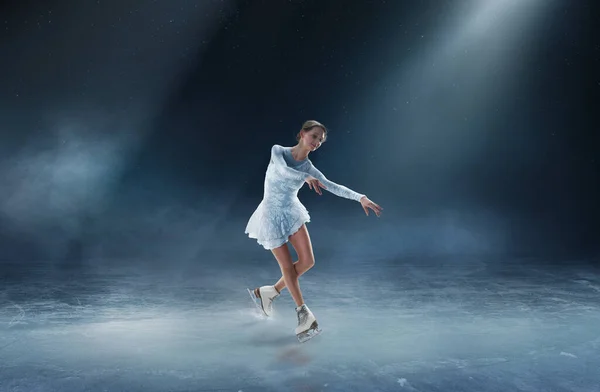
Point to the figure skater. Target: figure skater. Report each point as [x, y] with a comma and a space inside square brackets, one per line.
[280, 217]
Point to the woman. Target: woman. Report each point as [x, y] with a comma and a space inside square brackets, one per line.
[281, 217]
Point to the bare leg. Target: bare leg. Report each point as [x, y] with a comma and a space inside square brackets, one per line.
[290, 276]
[306, 259]
[300, 269]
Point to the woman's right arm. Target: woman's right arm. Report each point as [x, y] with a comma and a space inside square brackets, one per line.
[282, 168]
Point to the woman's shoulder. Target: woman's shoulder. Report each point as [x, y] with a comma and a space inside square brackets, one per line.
[279, 147]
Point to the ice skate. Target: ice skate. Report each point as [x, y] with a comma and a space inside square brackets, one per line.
[307, 327]
[263, 298]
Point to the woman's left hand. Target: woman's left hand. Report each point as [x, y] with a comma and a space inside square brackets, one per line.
[366, 204]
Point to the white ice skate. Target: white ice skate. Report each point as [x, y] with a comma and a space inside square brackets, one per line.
[263, 298]
[307, 327]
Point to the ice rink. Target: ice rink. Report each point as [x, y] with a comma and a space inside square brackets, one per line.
[414, 324]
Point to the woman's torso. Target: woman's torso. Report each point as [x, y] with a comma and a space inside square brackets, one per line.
[279, 189]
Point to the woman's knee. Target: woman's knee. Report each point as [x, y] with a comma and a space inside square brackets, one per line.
[307, 262]
[289, 270]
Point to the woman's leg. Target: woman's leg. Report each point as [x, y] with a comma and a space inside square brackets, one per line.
[290, 276]
[306, 260]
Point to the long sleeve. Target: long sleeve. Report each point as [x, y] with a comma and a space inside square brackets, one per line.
[282, 168]
[336, 189]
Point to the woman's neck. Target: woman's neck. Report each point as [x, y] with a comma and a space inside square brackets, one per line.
[298, 153]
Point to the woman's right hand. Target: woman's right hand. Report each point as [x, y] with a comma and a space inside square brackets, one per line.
[315, 184]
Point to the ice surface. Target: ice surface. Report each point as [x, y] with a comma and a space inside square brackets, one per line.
[388, 325]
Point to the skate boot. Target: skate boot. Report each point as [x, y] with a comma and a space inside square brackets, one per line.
[263, 297]
[307, 327]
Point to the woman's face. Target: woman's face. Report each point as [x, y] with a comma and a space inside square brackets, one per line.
[313, 139]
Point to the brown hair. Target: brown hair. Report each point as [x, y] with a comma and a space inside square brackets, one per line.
[310, 124]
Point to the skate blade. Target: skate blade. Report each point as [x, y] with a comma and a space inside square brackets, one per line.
[307, 335]
[255, 300]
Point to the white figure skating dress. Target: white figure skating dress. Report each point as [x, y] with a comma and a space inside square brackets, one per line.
[280, 213]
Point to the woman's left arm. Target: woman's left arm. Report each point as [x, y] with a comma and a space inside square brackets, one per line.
[336, 189]
[342, 191]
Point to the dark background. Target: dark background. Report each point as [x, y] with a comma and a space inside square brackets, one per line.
[142, 129]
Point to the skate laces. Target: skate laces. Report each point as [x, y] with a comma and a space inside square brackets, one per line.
[302, 315]
[269, 304]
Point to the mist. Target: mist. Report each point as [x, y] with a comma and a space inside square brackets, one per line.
[135, 137]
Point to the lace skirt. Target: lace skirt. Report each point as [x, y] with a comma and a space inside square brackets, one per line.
[271, 224]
